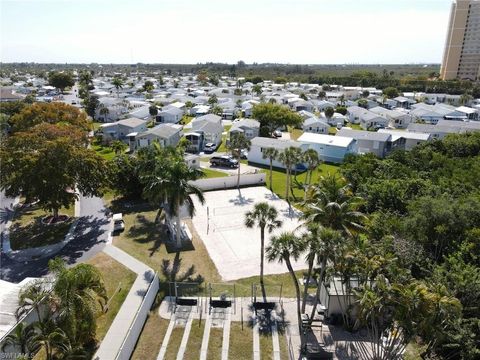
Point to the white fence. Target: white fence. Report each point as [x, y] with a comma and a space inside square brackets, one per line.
[135, 329]
[230, 182]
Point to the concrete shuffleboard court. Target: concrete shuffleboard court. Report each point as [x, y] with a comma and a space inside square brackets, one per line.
[234, 248]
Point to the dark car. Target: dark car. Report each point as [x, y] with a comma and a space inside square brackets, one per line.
[224, 161]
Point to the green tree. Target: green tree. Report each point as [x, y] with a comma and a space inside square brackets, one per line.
[125, 176]
[275, 116]
[212, 100]
[148, 86]
[237, 143]
[166, 179]
[50, 337]
[265, 217]
[310, 156]
[284, 248]
[21, 337]
[329, 111]
[153, 110]
[257, 89]
[289, 158]
[31, 298]
[118, 146]
[270, 154]
[391, 92]
[46, 164]
[118, 83]
[104, 112]
[77, 291]
[60, 80]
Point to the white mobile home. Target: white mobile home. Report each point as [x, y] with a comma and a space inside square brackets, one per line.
[329, 148]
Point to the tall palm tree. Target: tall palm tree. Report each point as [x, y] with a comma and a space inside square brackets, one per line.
[288, 158]
[312, 160]
[104, 112]
[77, 291]
[271, 154]
[284, 248]
[327, 242]
[166, 179]
[237, 143]
[31, 297]
[265, 217]
[22, 337]
[118, 83]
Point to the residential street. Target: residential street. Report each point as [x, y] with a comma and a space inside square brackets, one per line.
[91, 236]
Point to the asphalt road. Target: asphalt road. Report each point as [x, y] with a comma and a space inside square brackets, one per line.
[90, 238]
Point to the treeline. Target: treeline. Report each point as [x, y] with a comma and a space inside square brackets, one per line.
[428, 200]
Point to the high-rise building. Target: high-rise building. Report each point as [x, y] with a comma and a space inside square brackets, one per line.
[461, 58]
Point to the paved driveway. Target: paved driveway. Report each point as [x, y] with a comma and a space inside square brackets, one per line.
[90, 238]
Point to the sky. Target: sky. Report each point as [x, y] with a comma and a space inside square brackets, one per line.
[198, 31]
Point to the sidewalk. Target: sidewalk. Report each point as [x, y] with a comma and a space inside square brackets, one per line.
[125, 328]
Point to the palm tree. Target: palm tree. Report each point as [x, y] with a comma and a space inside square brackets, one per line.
[104, 112]
[283, 248]
[118, 146]
[324, 247]
[77, 291]
[21, 337]
[167, 180]
[237, 143]
[288, 157]
[265, 217]
[331, 203]
[118, 83]
[312, 160]
[271, 154]
[49, 336]
[31, 297]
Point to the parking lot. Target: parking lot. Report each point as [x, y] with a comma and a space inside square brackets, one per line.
[234, 248]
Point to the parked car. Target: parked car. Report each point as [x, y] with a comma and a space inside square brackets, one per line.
[209, 148]
[244, 154]
[225, 161]
[277, 133]
[118, 223]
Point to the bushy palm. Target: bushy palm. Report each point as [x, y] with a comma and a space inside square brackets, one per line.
[289, 158]
[118, 83]
[265, 217]
[77, 291]
[284, 248]
[332, 204]
[50, 337]
[31, 297]
[22, 337]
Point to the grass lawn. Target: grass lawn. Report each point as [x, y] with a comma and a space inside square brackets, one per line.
[332, 130]
[145, 240]
[105, 151]
[194, 343]
[151, 337]
[186, 120]
[215, 344]
[118, 280]
[355, 126]
[266, 345]
[279, 179]
[282, 339]
[174, 342]
[27, 230]
[209, 173]
[295, 133]
[241, 342]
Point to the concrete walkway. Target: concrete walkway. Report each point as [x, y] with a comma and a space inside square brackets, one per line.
[206, 338]
[276, 342]
[121, 325]
[256, 339]
[186, 334]
[226, 337]
[166, 339]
